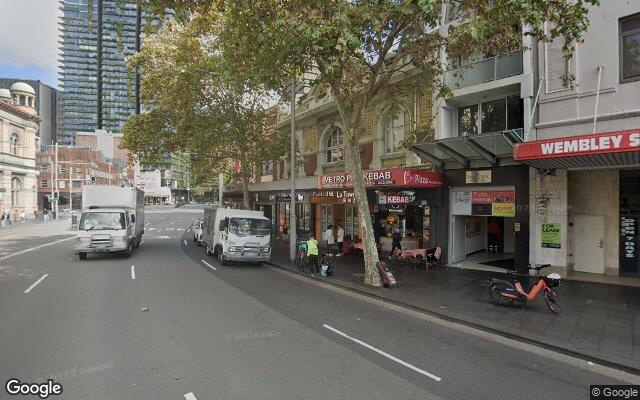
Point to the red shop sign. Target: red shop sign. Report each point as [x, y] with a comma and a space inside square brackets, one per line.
[481, 197]
[403, 177]
[601, 143]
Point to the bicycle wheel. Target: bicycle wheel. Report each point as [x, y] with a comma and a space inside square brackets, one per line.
[552, 300]
[496, 295]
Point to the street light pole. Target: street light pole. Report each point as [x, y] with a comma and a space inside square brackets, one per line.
[55, 183]
[70, 190]
[293, 225]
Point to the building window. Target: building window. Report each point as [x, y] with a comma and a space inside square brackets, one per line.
[630, 48]
[491, 116]
[14, 144]
[335, 146]
[394, 131]
[44, 183]
[16, 187]
[267, 167]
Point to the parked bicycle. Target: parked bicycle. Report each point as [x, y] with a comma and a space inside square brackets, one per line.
[304, 264]
[504, 292]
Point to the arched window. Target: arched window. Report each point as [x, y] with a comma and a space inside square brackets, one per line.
[14, 144]
[395, 128]
[16, 188]
[335, 146]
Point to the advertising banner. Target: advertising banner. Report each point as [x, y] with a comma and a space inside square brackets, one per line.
[393, 198]
[629, 240]
[333, 196]
[461, 203]
[406, 177]
[551, 236]
[497, 203]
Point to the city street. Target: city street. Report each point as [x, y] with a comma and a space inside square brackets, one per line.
[171, 323]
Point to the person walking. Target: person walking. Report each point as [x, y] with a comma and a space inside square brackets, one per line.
[2, 217]
[396, 240]
[328, 236]
[312, 253]
[493, 231]
[340, 240]
[23, 217]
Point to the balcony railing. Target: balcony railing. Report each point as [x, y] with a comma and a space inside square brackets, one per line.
[483, 71]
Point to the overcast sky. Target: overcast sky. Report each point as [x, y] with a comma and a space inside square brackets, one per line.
[28, 39]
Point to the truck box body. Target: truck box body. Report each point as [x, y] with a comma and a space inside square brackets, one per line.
[112, 220]
[236, 235]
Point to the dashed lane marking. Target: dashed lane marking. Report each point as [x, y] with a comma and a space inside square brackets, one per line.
[190, 396]
[35, 283]
[389, 356]
[209, 265]
[133, 272]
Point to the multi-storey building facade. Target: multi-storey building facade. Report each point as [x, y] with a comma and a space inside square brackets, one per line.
[18, 136]
[96, 38]
[174, 174]
[585, 150]
[47, 99]
[76, 167]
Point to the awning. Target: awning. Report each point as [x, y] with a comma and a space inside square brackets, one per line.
[462, 149]
[602, 150]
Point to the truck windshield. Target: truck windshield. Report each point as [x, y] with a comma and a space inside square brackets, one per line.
[96, 220]
[249, 227]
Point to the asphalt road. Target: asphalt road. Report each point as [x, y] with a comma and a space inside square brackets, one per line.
[165, 325]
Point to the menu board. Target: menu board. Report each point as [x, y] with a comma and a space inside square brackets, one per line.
[497, 203]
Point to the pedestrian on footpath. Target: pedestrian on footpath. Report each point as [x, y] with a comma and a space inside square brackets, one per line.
[23, 217]
[340, 240]
[2, 218]
[328, 236]
[312, 253]
[396, 239]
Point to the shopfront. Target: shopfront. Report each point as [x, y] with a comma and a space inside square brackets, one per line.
[277, 205]
[488, 217]
[403, 198]
[588, 188]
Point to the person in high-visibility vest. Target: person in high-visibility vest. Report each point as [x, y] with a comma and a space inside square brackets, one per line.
[312, 253]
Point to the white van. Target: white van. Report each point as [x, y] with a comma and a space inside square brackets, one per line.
[236, 235]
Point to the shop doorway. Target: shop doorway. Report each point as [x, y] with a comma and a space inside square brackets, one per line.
[589, 243]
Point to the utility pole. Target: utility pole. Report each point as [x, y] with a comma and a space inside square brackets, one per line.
[53, 185]
[109, 172]
[55, 182]
[70, 189]
[220, 187]
[293, 225]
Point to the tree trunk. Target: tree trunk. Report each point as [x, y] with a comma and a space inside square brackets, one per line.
[245, 191]
[354, 165]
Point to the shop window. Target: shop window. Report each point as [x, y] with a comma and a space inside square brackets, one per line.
[335, 146]
[394, 131]
[630, 48]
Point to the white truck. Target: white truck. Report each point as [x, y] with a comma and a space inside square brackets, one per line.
[112, 220]
[236, 235]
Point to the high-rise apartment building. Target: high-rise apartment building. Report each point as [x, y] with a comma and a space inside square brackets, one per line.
[96, 37]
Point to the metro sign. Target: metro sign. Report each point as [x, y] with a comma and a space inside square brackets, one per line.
[402, 177]
[585, 145]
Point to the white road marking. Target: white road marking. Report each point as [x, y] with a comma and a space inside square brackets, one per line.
[189, 230]
[190, 396]
[163, 237]
[133, 272]
[185, 242]
[209, 265]
[173, 222]
[389, 356]
[35, 248]
[36, 282]
[169, 229]
[179, 229]
[8, 236]
[141, 243]
[152, 229]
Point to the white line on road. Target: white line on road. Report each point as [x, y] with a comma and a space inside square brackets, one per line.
[35, 283]
[209, 265]
[141, 243]
[133, 272]
[189, 230]
[35, 248]
[389, 356]
[185, 242]
[190, 396]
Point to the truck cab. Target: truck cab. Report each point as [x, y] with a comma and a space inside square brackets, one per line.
[237, 235]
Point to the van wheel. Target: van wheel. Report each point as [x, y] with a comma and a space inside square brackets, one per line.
[82, 256]
[222, 259]
[129, 251]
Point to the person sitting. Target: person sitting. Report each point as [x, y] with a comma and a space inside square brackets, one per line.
[312, 253]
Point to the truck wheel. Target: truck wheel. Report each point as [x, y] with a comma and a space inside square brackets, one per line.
[82, 256]
[222, 259]
[209, 252]
[138, 241]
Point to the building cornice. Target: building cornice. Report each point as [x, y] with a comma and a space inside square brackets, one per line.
[10, 108]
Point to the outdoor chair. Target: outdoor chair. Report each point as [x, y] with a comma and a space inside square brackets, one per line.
[433, 257]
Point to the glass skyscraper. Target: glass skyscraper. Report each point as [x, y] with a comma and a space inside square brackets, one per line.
[96, 37]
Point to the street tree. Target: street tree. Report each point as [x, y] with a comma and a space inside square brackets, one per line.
[358, 51]
[190, 104]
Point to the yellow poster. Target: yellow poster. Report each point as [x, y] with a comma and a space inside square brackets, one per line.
[503, 210]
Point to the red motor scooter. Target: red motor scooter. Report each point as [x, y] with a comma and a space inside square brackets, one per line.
[504, 292]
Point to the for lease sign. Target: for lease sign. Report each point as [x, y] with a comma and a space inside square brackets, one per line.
[611, 142]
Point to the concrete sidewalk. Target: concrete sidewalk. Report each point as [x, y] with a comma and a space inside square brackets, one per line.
[598, 321]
